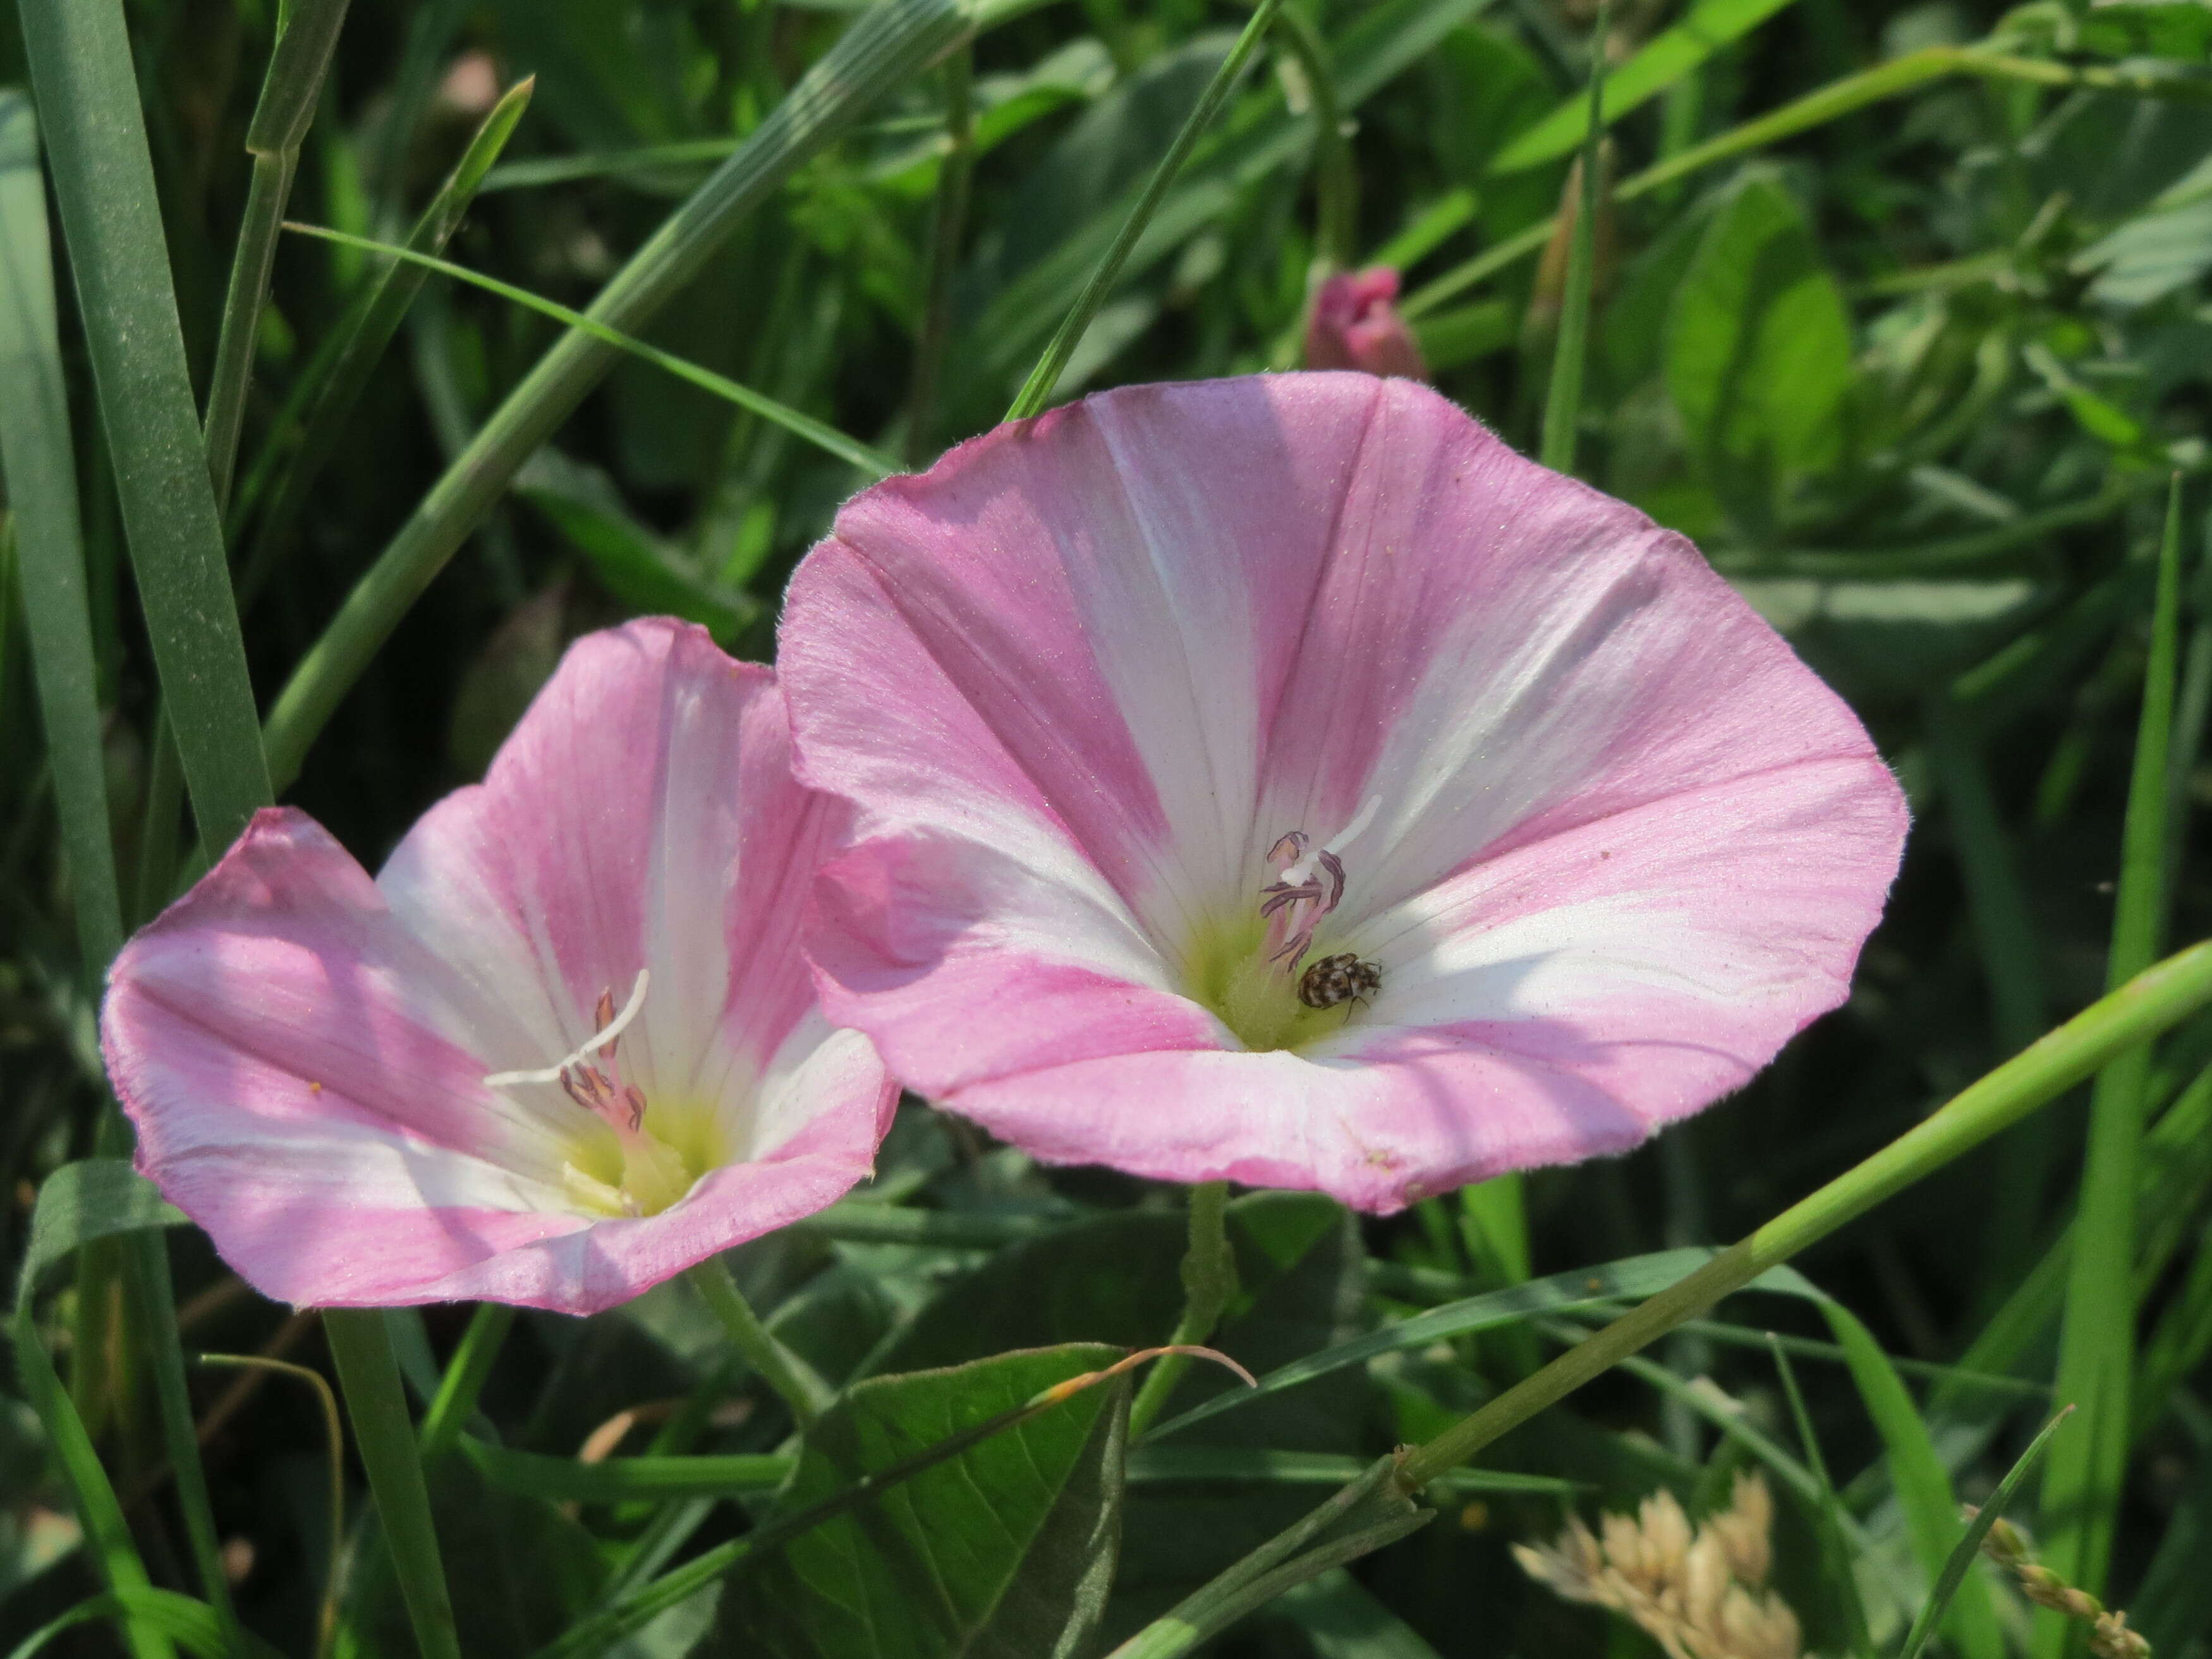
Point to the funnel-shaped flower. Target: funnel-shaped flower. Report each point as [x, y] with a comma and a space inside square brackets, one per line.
[1281, 779]
[1356, 324]
[563, 1047]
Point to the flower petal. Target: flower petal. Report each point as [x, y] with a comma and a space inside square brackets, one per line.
[300, 1072]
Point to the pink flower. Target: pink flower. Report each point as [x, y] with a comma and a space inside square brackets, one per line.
[1355, 326]
[563, 1047]
[1281, 779]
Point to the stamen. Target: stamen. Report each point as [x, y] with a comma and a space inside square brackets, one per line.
[1308, 885]
[605, 1039]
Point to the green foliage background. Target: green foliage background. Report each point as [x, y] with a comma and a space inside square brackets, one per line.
[1914, 371]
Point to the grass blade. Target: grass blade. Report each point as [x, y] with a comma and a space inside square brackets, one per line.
[296, 68]
[362, 1349]
[465, 1377]
[81, 69]
[368, 329]
[1037, 389]
[1562, 403]
[825, 438]
[1708, 26]
[2097, 1342]
[887, 42]
[1962, 1556]
[36, 454]
[1920, 1481]
[1835, 1554]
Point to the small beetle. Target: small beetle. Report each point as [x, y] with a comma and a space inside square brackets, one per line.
[1334, 981]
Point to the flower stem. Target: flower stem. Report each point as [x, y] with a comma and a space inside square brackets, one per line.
[2129, 1017]
[362, 1348]
[1209, 1280]
[805, 1393]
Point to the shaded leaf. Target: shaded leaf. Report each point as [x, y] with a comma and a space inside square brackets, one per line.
[1005, 1549]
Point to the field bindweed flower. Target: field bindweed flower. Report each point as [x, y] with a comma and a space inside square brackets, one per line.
[1356, 324]
[1280, 780]
[563, 1047]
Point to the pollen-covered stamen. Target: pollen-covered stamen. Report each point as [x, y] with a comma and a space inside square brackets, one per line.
[1308, 885]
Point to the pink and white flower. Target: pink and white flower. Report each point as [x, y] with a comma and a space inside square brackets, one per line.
[563, 1047]
[1175, 712]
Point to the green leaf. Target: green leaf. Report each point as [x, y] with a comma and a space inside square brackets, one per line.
[1343, 1619]
[2165, 28]
[1704, 29]
[1759, 345]
[1963, 1554]
[637, 567]
[35, 454]
[1004, 1550]
[2151, 255]
[81, 71]
[93, 1198]
[2097, 1339]
[1922, 1485]
[523, 1570]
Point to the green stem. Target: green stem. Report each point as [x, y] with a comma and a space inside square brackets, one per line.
[947, 220]
[783, 1370]
[1336, 181]
[326, 1619]
[1038, 388]
[362, 1348]
[2096, 1343]
[464, 1378]
[1209, 1282]
[2123, 1019]
[1563, 404]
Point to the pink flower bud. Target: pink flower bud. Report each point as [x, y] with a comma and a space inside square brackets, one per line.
[1355, 326]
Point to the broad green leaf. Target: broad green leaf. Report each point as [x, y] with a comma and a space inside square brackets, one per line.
[1759, 347]
[1004, 1550]
[2152, 255]
[1708, 26]
[2163, 28]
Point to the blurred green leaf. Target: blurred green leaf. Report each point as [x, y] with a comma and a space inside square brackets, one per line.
[1963, 1554]
[1759, 347]
[1005, 1549]
[1344, 1620]
[1707, 27]
[2163, 28]
[636, 566]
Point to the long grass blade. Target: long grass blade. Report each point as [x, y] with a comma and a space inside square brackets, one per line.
[827, 439]
[370, 324]
[1835, 1553]
[1563, 403]
[81, 71]
[1037, 390]
[36, 454]
[886, 45]
[302, 56]
[2097, 1342]
[1962, 1556]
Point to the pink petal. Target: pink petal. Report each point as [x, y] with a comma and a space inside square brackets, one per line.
[1079, 679]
